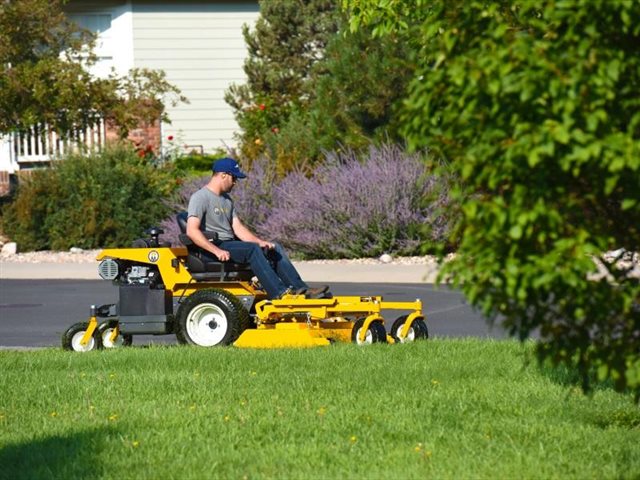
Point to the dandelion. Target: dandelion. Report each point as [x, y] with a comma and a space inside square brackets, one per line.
[353, 439]
[227, 418]
[54, 414]
[135, 444]
[192, 407]
[253, 373]
[322, 411]
[113, 417]
[112, 375]
[435, 382]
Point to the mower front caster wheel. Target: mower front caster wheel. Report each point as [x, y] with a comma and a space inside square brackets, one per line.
[71, 339]
[417, 331]
[375, 333]
[106, 330]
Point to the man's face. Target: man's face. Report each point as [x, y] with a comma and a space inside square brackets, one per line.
[228, 182]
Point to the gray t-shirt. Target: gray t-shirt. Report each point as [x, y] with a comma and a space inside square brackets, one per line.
[215, 212]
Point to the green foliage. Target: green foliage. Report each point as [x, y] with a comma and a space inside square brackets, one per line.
[44, 77]
[88, 201]
[535, 105]
[312, 87]
[288, 40]
[195, 164]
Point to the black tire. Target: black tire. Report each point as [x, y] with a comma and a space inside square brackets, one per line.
[71, 338]
[418, 330]
[375, 334]
[211, 317]
[106, 328]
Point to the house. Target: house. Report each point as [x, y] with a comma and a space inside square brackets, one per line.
[199, 45]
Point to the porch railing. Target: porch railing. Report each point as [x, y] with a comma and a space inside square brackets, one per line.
[40, 143]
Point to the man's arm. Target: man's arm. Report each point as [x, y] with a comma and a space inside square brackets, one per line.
[196, 236]
[246, 235]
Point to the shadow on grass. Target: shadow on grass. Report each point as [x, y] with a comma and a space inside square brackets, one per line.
[571, 379]
[73, 456]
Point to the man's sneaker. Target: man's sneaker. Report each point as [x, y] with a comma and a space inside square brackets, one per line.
[318, 292]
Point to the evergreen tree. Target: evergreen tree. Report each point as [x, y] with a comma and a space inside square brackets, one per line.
[289, 39]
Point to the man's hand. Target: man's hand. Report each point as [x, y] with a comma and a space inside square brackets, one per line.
[223, 255]
[265, 244]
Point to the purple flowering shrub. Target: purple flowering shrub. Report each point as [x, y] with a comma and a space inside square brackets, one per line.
[179, 203]
[252, 196]
[350, 206]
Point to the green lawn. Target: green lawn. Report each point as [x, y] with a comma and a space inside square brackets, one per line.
[436, 409]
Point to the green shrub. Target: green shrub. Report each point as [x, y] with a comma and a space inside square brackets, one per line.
[196, 164]
[535, 104]
[89, 201]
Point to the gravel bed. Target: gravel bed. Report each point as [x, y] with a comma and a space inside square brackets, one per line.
[89, 256]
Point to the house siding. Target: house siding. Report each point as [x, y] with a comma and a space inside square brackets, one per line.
[201, 49]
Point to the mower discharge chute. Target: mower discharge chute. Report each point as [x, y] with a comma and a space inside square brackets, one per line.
[171, 290]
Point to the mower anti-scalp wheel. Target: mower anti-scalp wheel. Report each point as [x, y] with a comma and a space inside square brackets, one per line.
[375, 333]
[211, 317]
[106, 329]
[72, 337]
[417, 331]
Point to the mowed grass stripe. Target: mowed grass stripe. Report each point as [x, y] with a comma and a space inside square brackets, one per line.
[444, 408]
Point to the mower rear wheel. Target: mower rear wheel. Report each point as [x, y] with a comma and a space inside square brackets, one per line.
[211, 317]
[72, 337]
[375, 333]
[106, 329]
[417, 331]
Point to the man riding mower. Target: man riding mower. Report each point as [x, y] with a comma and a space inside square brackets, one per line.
[206, 291]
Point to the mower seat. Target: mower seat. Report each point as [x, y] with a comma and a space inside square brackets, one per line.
[202, 267]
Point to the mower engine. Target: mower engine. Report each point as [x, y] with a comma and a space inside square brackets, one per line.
[145, 305]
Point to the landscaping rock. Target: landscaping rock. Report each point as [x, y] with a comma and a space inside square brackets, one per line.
[10, 248]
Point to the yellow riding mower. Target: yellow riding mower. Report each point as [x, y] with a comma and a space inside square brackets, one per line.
[171, 290]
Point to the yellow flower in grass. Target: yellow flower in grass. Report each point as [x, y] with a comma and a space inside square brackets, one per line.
[113, 417]
[54, 414]
[353, 439]
[322, 411]
[135, 444]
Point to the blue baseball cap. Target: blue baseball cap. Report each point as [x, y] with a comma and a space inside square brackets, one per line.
[228, 165]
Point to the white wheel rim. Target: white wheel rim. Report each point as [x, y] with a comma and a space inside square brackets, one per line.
[77, 346]
[106, 339]
[368, 338]
[411, 334]
[207, 325]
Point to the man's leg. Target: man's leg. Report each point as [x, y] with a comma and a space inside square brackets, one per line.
[285, 269]
[251, 253]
